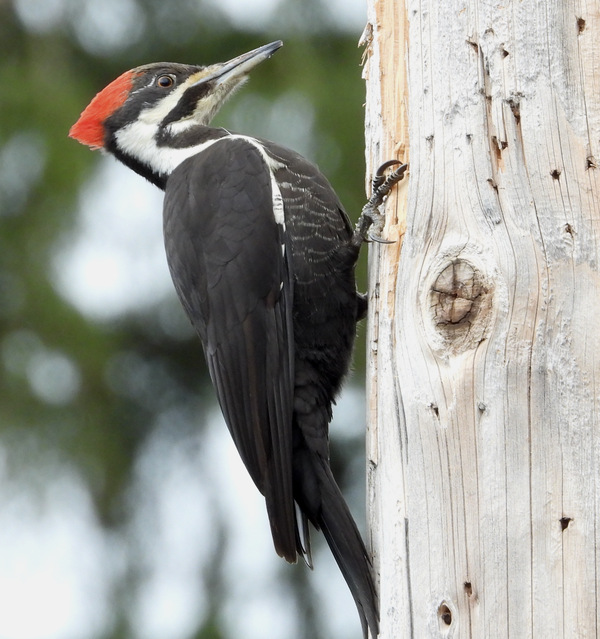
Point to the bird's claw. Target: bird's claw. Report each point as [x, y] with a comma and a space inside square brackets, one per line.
[382, 185]
[380, 178]
[370, 216]
[371, 237]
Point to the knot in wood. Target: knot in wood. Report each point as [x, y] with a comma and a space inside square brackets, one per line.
[459, 305]
[455, 293]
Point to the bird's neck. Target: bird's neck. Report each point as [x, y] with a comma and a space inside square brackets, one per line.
[155, 153]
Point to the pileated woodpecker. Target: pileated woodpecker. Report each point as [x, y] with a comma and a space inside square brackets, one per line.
[262, 256]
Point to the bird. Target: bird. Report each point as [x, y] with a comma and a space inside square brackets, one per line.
[262, 255]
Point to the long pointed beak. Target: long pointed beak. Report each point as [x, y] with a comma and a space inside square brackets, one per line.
[241, 65]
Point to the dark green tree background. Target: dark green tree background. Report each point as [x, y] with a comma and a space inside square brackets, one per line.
[117, 517]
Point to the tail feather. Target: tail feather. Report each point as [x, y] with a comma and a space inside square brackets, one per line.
[303, 546]
[330, 513]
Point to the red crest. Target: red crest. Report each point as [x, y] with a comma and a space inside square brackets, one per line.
[89, 129]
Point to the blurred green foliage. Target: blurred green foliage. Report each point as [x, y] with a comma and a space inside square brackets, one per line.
[48, 73]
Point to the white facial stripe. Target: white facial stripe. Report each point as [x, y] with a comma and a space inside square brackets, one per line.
[138, 141]
[164, 106]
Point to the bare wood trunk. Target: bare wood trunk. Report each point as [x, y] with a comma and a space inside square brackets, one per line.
[484, 449]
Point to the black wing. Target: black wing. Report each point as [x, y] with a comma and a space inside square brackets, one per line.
[232, 270]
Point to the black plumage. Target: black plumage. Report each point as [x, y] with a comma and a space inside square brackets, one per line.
[262, 256]
[276, 308]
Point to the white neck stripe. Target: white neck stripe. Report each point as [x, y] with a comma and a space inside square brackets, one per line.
[138, 141]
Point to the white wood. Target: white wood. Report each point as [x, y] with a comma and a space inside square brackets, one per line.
[484, 446]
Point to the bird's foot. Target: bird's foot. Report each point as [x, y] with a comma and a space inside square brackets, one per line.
[371, 221]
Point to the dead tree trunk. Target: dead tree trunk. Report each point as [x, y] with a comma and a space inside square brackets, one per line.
[484, 445]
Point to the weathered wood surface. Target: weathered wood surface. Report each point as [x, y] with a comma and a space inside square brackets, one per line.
[484, 449]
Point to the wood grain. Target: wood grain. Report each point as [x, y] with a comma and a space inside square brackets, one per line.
[484, 381]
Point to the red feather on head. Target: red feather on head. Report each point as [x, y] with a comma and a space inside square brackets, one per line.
[89, 129]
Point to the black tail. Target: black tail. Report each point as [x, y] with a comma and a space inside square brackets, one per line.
[322, 501]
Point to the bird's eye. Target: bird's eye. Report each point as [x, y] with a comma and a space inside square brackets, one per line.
[165, 81]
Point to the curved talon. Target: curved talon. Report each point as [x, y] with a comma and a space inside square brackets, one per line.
[383, 184]
[386, 165]
[378, 239]
[379, 177]
[398, 174]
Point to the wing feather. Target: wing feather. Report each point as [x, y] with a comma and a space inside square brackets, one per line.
[224, 249]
